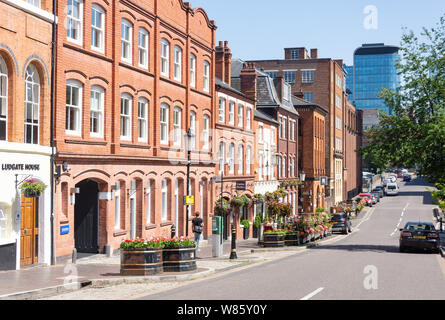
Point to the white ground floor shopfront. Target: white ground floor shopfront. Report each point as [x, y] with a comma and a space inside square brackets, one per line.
[25, 230]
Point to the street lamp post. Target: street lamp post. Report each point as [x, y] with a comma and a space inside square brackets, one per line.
[188, 139]
[302, 179]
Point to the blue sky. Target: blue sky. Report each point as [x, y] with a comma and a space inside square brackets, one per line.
[259, 29]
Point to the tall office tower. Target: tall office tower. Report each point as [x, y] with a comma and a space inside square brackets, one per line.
[374, 69]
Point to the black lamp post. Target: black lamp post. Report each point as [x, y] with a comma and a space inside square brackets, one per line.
[302, 179]
[188, 144]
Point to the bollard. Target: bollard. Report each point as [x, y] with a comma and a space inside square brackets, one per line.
[173, 231]
[74, 256]
[233, 251]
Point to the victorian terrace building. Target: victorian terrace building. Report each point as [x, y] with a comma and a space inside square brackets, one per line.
[132, 78]
[25, 131]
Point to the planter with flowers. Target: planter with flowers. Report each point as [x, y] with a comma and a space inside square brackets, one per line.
[274, 239]
[32, 189]
[291, 238]
[141, 257]
[179, 254]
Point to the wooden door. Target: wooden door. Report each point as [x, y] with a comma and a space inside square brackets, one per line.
[29, 231]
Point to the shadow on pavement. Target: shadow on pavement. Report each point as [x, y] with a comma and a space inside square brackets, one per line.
[364, 248]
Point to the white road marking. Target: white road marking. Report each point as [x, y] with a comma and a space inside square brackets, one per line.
[366, 217]
[400, 221]
[310, 295]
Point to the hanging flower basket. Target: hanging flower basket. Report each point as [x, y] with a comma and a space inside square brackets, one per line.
[222, 207]
[32, 189]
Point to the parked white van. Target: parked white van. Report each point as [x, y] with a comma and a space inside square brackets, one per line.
[392, 189]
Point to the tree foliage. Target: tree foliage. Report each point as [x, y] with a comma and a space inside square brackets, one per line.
[414, 134]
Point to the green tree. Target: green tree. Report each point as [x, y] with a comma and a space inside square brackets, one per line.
[415, 132]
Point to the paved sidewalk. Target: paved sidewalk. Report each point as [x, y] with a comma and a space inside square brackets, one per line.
[100, 270]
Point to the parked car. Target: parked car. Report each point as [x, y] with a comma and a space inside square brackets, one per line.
[393, 178]
[380, 190]
[341, 223]
[419, 235]
[407, 177]
[404, 171]
[386, 181]
[376, 196]
[368, 198]
[392, 189]
[400, 174]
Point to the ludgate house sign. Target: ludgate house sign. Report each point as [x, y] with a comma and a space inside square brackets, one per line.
[20, 167]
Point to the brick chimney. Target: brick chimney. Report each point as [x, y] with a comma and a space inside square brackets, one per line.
[228, 63]
[299, 94]
[314, 53]
[220, 63]
[248, 77]
[279, 84]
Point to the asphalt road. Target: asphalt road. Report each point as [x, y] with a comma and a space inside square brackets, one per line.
[366, 265]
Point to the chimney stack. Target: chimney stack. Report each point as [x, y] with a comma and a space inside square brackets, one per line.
[248, 77]
[314, 53]
[220, 63]
[228, 63]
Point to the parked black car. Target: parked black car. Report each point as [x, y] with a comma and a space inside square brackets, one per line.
[341, 223]
[407, 177]
[419, 235]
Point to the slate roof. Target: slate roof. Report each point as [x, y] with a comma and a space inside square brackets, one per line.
[264, 116]
[224, 85]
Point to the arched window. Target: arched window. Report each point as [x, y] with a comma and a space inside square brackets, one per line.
[248, 159]
[126, 40]
[97, 112]
[164, 194]
[193, 129]
[192, 70]
[3, 99]
[117, 206]
[177, 115]
[73, 107]
[165, 58]
[240, 159]
[177, 63]
[143, 48]
[97, 28]
[142, 119]
[206, 132]
[74, 21]
[126, 106]
[232, 158]
[32, 105]
[164, 123]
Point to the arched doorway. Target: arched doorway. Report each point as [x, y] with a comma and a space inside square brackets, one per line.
[86, 217]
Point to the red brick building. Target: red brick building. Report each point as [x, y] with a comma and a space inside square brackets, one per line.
[25, 131]
[319, 80]
[131, 79]
[352, 121]
[235, 136]
[311, 154]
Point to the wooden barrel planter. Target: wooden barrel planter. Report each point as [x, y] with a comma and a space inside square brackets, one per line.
[141, 262]
[291, 239]
[179, 259]
[274, 240]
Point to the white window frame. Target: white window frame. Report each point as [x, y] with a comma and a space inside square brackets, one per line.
[117, 206]
[192, 70]
[240, 115]
[177, 126]
[35, 3]
[164, 200]
[4, 96]
[206, 76]
[177, 63]
[221, 157]
[248, 159]
[165, 57]
[284, 167]
[232, 158]
[164, 118]
[143, 48]
[126, 117]
[193, 129]
[308, 76]
[97, 109]
[127, 42]
[77, 108]
[206, 132]
[222, 110]
[98, 31]
[143, 105]
[293, 79]
[74, 23]
[248, 118]
[260, 133]
[240, 159]
[148, 212]
[232, 112]
[279, 166]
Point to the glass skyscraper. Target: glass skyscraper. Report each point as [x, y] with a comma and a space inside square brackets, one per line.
[374, 69]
